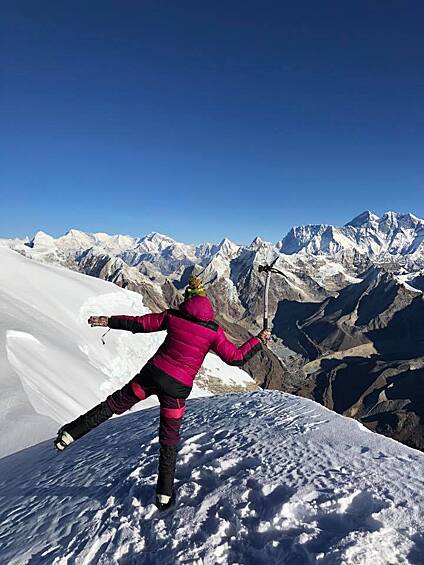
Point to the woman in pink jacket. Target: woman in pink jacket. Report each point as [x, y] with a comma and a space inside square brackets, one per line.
[169, 374]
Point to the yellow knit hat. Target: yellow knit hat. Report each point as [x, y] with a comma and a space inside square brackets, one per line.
[195, 288]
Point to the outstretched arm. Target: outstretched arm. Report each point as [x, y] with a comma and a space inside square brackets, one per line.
[233, 355]
[134, 324]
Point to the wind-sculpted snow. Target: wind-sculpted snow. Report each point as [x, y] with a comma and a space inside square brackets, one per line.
[262, 478]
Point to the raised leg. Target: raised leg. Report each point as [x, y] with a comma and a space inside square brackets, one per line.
[83, 424]
[117, 403]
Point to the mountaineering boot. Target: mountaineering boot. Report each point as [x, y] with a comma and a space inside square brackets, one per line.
[163, 502]
[63, 440]
[165, 493]
[83, 424]
[166, 471]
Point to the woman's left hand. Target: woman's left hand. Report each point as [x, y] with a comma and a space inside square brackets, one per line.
[264, 336]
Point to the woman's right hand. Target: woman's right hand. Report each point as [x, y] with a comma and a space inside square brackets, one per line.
[98, 321]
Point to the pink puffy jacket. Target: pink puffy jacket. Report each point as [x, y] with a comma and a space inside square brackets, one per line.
[191, 333]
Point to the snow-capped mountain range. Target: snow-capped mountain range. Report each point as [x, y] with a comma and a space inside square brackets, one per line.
[315, 259]
[330, 256]
[392, 234]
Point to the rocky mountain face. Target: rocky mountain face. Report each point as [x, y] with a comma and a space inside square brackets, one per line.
[365, 352]
[345, 297]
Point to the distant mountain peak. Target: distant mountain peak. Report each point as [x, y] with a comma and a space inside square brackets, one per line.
[41, 238]
[362, 219]
[228, 246]
[75, 232]
[397, 219]
[256, 241]
[226, 241]
[158, 237]
[41, 234]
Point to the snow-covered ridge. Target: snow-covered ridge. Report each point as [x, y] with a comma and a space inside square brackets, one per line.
[261, 478]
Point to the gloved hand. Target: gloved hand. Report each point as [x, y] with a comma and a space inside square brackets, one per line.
[98, 321]
[264, 336]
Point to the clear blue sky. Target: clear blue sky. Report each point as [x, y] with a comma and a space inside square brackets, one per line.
[204, 119]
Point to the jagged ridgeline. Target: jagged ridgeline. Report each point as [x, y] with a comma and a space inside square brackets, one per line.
[348, 309]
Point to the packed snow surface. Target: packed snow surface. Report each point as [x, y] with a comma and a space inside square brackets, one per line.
[53, 365]
[262, 478]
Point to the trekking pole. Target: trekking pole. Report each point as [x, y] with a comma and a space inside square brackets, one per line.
[268, 269]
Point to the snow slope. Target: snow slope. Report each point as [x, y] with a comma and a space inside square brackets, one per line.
[262, 478]
[53, 365]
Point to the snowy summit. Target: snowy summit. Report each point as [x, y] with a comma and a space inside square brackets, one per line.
[262, 478]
